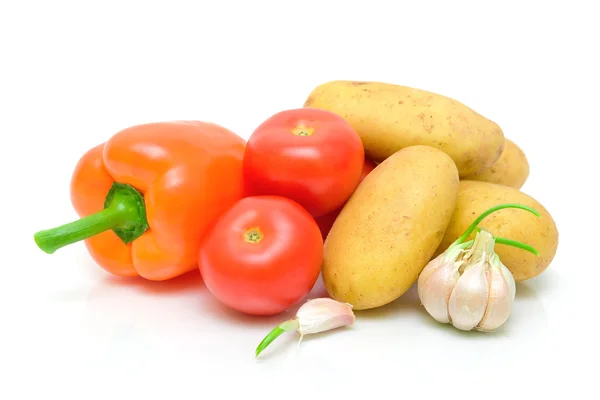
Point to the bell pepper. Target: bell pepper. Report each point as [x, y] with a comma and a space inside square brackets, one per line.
[146, 197]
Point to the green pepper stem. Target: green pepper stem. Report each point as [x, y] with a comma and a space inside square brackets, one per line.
[124, 212]
[290, 325]
[51, 240]
[516, 243]
[472, 227]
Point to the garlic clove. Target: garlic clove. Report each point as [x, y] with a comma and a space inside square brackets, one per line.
[449, 256]
[502, 295]
[510, 280]
[314, 316]
[468, 301]
[323, 314]
[429, 269]
[435, 292]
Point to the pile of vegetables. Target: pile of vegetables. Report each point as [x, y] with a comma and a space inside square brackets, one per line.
[376, 187]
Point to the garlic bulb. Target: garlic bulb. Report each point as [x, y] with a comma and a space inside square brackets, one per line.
[467, 285]
[471, 290]
[314, 316]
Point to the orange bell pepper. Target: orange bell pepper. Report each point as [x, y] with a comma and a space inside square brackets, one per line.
[147, 195]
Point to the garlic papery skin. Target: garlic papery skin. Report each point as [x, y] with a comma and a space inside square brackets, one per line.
[501, 297]
[323, 314]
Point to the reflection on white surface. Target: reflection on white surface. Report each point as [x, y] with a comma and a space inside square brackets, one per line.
[140, 305]
[529, 313]
[106, 329]
[134, 320]
[132, 315]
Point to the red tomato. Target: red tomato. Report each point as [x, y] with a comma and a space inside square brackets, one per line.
[326, 221]
[262, 256]
[308, 155]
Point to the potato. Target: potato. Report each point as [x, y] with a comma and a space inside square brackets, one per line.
[389, 118]
[390, 227]
[511, 169]
[475, 197]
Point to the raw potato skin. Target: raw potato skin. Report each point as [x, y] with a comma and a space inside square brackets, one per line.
[390, 227]
[389, 118]
[511, 169]
[475, 197]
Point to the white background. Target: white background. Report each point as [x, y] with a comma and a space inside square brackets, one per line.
[74, 73]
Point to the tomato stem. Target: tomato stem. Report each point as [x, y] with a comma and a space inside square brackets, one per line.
[253, 235]
[290, 325]
[303, 131]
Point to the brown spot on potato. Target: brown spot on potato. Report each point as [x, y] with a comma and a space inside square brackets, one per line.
[426, 121]
[400, 102]
[500, 151]
[358, 83]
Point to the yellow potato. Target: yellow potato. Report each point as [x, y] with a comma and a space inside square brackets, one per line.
[390, 227]
[475, 197]
[390, 117]
[511, 169]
